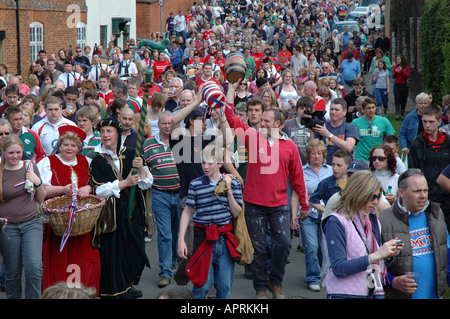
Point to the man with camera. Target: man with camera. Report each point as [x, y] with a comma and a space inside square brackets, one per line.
[296, 129]
[337, 133]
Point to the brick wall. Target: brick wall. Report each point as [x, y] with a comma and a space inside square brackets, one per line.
[51, 13]
[148, 15]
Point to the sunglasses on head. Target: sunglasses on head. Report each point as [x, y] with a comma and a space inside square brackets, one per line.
[408, 173]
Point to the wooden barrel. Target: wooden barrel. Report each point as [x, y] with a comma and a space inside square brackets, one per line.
[213, 95]
[235, 66]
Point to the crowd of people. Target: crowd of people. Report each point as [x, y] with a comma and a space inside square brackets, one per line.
[301, 147]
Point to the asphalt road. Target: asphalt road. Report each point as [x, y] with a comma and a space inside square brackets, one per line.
[294, 285]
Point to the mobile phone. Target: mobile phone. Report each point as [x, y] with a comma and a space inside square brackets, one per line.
[399, 242]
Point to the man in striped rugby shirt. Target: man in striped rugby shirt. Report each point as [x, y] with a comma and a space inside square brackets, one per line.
[165, 195]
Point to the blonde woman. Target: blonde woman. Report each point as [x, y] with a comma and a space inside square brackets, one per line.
[157, 103]
[21, 243]
[286, 90]
[28, 115]
[314, 171]
[33, 83]
[269, 97]
[34, 103]
[352, 241]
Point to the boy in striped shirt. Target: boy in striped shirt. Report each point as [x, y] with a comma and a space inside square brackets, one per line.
[214, 249]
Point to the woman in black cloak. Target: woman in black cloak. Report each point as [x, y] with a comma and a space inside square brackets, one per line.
[118, 233]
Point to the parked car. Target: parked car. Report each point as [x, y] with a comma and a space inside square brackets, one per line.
[341, 25]
[356, 14]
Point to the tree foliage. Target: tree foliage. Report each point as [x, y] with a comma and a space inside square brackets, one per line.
[434, 45]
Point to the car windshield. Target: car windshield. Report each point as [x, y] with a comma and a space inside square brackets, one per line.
[353, 16]
[360, 9]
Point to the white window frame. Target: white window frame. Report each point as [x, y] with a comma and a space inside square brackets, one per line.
[81, 34]
[36, 39]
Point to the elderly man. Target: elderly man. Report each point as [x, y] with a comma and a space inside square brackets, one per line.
[420, 225]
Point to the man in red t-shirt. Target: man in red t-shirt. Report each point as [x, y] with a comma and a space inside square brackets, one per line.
[310, 88]
[351, 47]
[207, 75]
[207, 32]
[258, 55]
[159, 67]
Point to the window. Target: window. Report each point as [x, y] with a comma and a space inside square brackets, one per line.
[36, 39]
[81, 34]
[104, 36]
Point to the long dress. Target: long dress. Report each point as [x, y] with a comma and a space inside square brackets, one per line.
[122, 251]
[78, 251]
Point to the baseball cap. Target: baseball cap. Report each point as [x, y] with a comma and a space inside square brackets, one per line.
[357, 165]
[198, 111]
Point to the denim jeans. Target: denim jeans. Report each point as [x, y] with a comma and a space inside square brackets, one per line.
[381, 97]
[182, 34]
[289, 194]
[167, 219]
[258, 218]
[221, 272]
[21, 245]
[312, 238]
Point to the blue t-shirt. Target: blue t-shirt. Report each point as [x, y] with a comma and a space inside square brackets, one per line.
[423, 256]
[350, 69]
[343, 131]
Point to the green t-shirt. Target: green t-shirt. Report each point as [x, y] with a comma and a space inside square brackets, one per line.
[371, 134]
[29, 143]
[251, 66]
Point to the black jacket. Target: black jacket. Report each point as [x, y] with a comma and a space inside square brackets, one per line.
[432, 163]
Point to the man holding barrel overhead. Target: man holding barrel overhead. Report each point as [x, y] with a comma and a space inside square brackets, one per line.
[272, 159]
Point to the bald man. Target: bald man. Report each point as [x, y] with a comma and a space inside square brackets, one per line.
[310, 88]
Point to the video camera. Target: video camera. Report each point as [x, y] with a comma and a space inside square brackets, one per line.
[315, 119]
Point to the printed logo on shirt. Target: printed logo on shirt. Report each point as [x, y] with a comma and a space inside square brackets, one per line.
[421, 241]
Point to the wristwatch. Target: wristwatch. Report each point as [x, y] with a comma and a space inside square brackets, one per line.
[329, 137]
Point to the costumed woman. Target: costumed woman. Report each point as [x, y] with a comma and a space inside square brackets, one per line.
[58, 172]
[122, 247]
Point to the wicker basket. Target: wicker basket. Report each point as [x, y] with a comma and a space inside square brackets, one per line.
[85, 218]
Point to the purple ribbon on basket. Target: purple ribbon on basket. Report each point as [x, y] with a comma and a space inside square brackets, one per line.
[72, 208]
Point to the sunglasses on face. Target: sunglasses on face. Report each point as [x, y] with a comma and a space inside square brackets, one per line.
[378, 158]
[377, 197]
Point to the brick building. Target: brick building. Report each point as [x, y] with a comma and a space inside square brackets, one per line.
[148, 15]
[49, 25]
